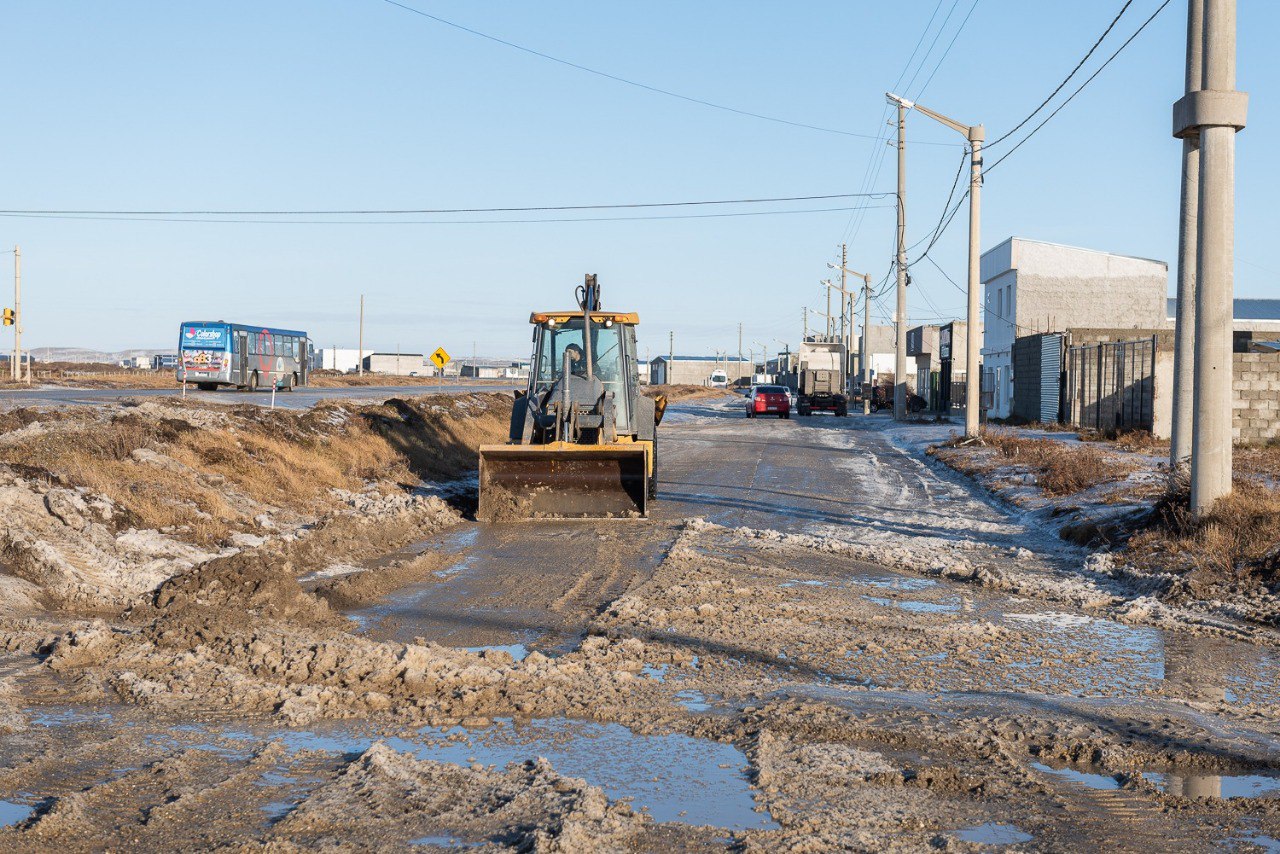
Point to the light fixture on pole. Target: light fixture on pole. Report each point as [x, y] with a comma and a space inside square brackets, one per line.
[975, 134]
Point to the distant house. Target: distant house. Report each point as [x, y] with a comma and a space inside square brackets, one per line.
[1032, 286]
[696, 370]
[345, 359]
[397, 364]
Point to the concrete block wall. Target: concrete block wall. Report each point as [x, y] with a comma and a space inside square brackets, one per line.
[1256, 404]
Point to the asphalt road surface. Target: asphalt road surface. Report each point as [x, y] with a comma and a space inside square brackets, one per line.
[303, 398]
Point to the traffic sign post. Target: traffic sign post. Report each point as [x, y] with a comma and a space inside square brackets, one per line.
[440, 358]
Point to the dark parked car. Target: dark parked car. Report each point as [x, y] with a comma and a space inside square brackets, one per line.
[769, 400]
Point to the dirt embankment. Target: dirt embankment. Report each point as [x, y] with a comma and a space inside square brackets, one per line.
[1116, 494]
[682, 392]
[102, 504]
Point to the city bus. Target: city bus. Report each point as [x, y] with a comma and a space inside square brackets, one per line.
[216, 354]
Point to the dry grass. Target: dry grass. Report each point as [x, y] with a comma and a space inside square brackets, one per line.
[1060, 468]
[220, 478]
[1239, 539]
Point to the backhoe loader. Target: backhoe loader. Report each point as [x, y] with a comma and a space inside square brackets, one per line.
[583, 441]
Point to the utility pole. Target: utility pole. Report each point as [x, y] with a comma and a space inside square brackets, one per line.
[900, 317]
[847, 341]
[671, 356]
[975, 134]
[844, 259]
[17, 315]
[360, 346]
[1218, 111]
[804, 317]
[739, 347]
[866, 344]
[1184, 329]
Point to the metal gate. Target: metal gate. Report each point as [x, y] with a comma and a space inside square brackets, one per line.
[1111, 386]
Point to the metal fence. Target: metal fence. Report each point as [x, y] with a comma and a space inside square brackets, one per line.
[1111, 386]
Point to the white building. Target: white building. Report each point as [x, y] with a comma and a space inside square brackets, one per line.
[340, 358]
[398, 364]
[1032, 286]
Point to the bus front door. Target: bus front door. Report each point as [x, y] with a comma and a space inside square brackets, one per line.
[242, 362]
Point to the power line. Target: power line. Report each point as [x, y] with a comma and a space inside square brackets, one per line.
[1067, 79]
[130, 218]
[617, 79]
[947, 52]
[394, 212]
[1049, 118]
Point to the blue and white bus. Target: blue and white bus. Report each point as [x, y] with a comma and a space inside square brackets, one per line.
[247, 357]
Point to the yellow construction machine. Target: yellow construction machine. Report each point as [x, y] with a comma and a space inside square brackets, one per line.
[584, 441]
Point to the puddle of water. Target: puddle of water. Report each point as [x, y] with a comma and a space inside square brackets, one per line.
[1269, 844]
[453, 569]
[806, 582]
[916, 606]
[894, 583]
[11, 813]
[444, 841]
[518, 651]
[1052, 619]
[676, 777]
[1101, 782]
[993, 834]
[67, 717]
[1215, 785]
[694, 701]
[277, 810]
[657, 672]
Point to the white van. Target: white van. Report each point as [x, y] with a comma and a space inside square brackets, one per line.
[719, 379]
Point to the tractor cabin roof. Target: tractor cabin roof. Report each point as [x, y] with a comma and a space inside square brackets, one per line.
[624, 317]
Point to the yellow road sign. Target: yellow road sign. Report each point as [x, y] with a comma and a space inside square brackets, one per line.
[440, 357]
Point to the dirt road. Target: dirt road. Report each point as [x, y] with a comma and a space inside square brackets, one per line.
[820, 641]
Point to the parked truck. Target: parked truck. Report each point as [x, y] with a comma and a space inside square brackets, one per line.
[821, 379]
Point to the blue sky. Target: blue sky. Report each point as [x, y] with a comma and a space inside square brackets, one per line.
[337, 104]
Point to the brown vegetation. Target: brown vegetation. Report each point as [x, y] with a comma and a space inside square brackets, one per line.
[1060, 468]
[1238, 540]
[205, 473]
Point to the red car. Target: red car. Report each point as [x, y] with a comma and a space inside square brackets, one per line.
[769, 400]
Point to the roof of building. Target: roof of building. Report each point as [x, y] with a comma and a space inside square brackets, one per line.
[699, 359]
[1242, 309]
[1074, 249]
[402, 355]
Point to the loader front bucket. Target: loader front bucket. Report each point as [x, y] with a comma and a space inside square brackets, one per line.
[563, 481]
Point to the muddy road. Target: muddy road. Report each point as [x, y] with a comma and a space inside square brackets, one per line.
[820, 641]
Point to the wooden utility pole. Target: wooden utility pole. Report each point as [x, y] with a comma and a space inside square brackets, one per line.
[360, 346]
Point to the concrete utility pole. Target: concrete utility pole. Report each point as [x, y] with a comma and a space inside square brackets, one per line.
[15, 367]
[1218, 112]
[739, 346]
[360, 346]
[671, 356]
[844, 330]
[866, 320]
[900, 316]
[975, 134]
[804, 318]
[866, 344]
[1184, 333]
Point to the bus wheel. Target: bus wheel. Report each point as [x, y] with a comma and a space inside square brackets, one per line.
[253, 381]
[292, 384]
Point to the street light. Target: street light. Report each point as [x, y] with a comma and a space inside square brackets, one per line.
[975, 135]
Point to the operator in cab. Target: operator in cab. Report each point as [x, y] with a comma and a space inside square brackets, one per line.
[577, 363]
